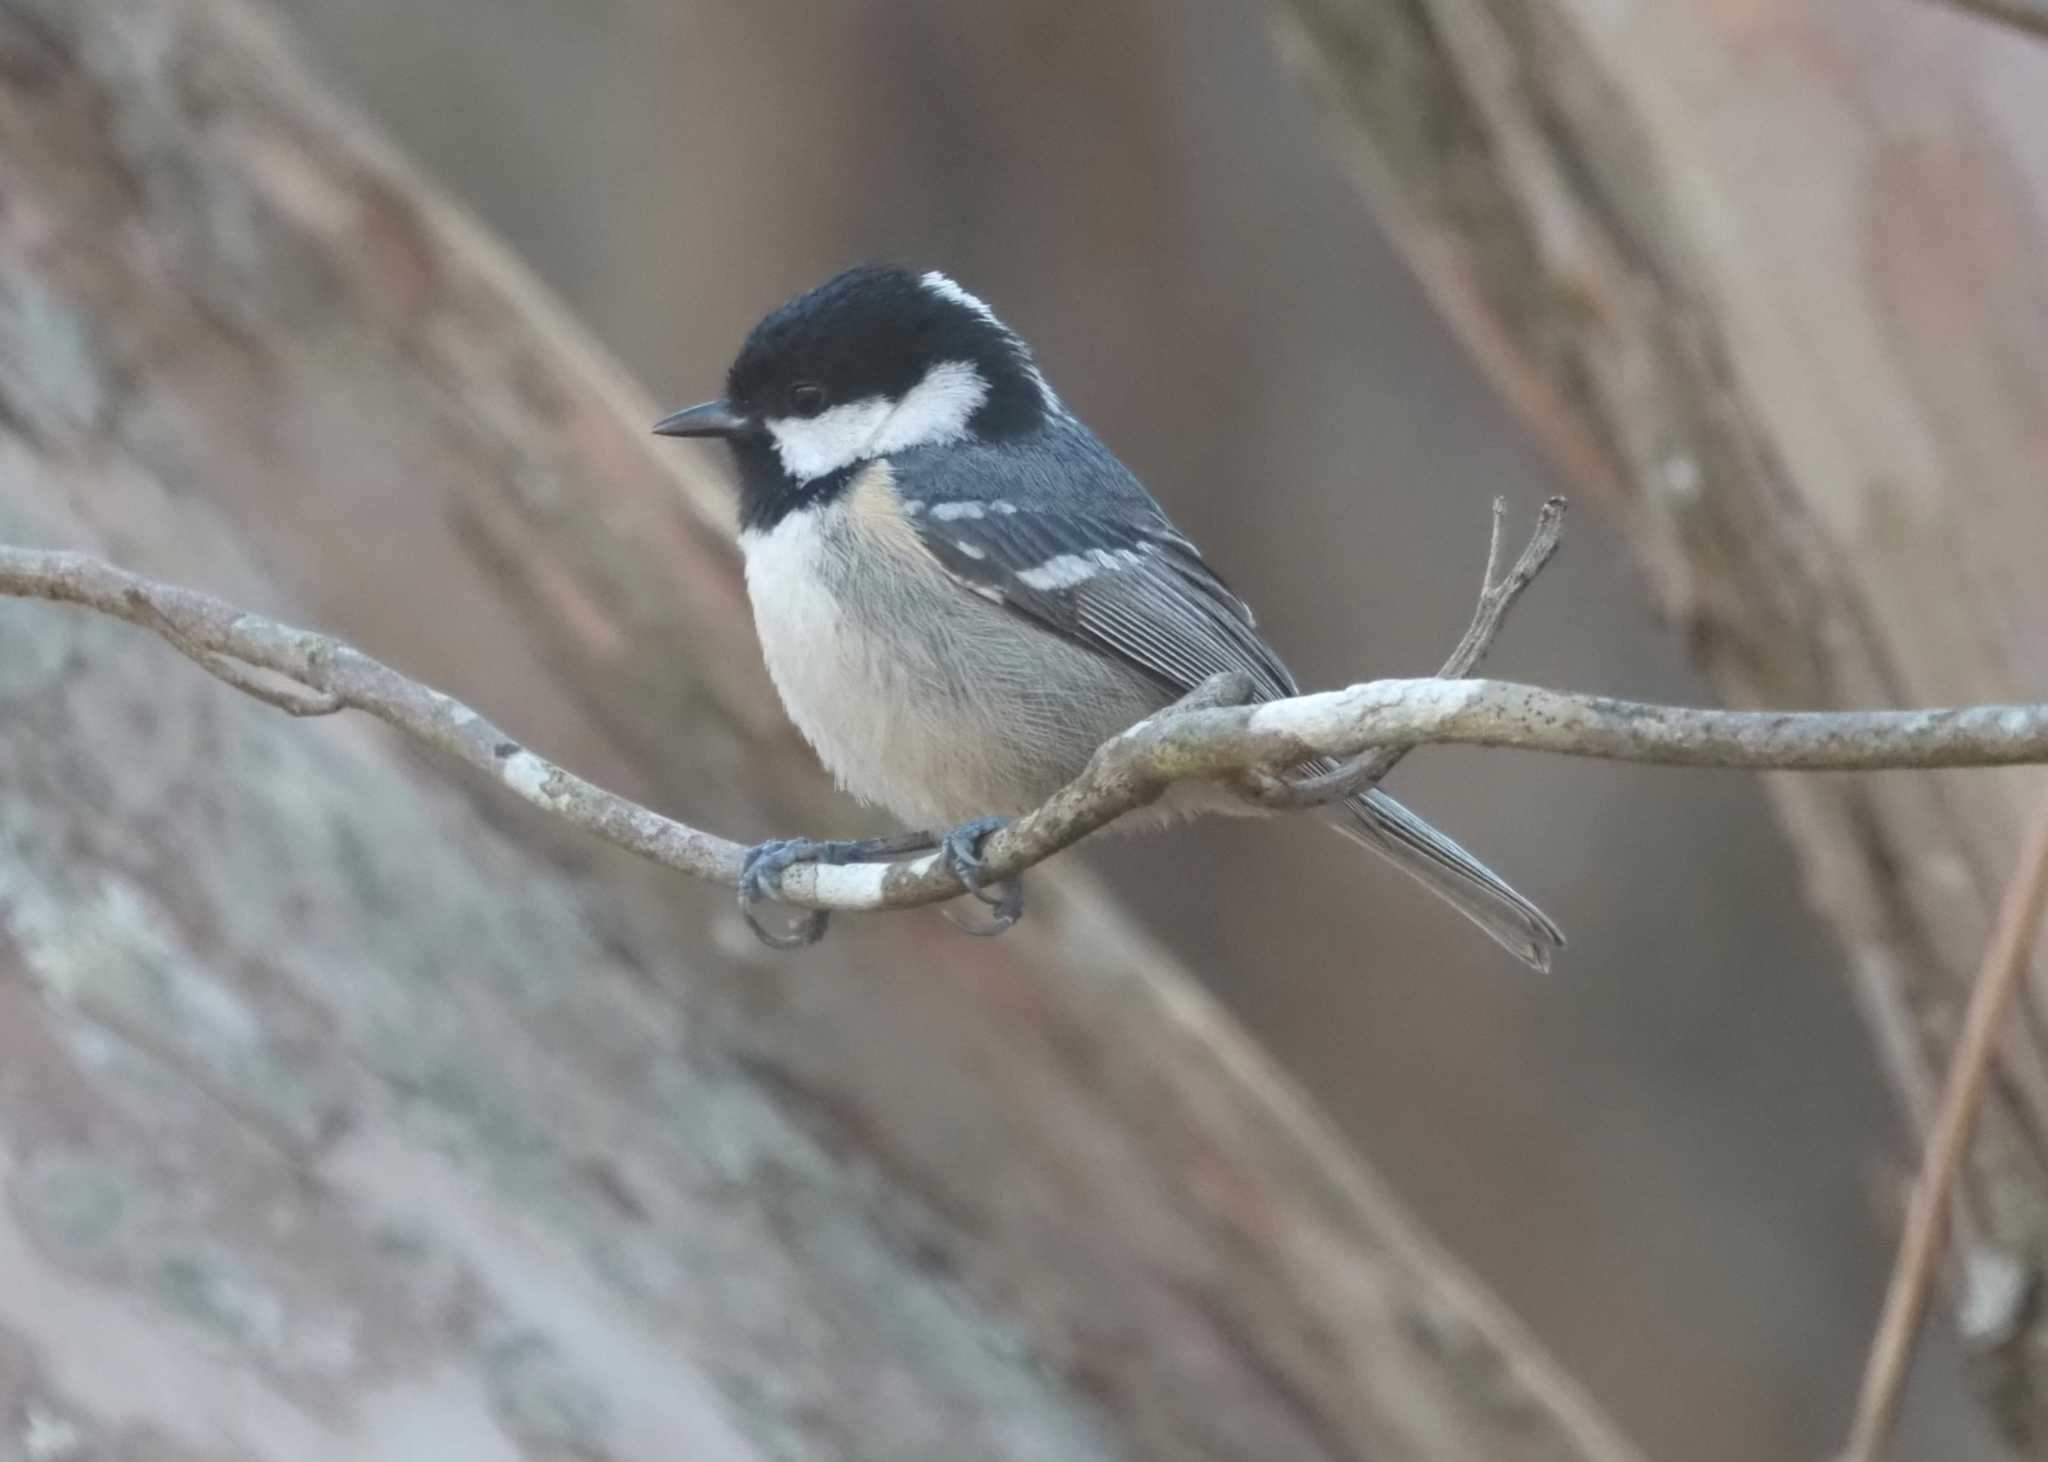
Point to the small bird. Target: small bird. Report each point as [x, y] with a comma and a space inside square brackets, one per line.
[961, 592]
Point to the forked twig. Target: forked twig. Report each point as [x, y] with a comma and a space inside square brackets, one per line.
[1496, 597]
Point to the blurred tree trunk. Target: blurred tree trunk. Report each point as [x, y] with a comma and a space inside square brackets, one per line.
[1770, 277]
[343, 1114]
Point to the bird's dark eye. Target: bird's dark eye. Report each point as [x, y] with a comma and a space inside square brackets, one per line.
[807, 398]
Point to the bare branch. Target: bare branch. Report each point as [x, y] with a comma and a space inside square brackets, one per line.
[293, 700]
[224, 640]
[1905, 1302]
[2030, 16]
[1213, 741]
[1496, 598]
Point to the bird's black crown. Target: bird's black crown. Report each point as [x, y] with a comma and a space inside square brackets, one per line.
[875, 330]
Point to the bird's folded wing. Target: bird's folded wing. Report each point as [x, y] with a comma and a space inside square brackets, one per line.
[1124, 584]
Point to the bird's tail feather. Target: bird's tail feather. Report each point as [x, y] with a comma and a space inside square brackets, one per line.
[1378, 822]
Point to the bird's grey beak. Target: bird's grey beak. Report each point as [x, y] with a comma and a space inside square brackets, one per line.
[709, 419]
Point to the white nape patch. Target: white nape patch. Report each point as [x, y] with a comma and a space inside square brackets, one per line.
[945, 287]
[1003, 506]
[947, 512]
[967, 550]
[934, 412]
[1068, 569]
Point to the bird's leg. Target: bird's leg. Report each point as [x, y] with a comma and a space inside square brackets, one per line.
[761, 876]
[961, 849]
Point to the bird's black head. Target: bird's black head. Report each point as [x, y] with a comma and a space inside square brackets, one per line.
[878, 359]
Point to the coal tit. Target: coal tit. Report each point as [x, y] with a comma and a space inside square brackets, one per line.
[961, 592]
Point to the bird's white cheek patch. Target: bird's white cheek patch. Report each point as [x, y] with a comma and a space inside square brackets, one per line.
[934, 412]
[937, 409]
[811, 447]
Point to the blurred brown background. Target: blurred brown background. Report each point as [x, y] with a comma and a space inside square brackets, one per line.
[1664, 1157]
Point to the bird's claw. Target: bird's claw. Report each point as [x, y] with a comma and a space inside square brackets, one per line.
[961, 850]
[760, 879]
[761, 882]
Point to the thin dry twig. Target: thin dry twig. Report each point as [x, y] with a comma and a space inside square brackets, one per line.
[1221, 742]
[2030, 16]
[1920, 1247]
[1496, 597]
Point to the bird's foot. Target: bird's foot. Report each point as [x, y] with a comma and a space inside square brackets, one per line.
[761, 877]
[961, 850]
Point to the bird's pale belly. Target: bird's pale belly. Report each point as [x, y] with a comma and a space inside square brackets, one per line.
[917, 694]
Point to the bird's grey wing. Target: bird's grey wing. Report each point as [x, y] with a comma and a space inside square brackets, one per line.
[1120, 585]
